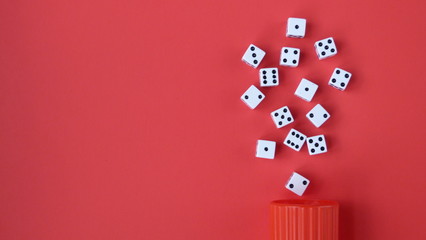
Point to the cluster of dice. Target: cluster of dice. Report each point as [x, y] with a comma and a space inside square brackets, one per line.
[268, 77]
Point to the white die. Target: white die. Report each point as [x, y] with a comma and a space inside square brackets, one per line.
[282, 117]
[268, 77]
[265, 149]
[297, 183]
[340, 79]
[253, 56]
[296, 27]
[306, 90]
[289, 57]
[295, 139]
[252, 97]
[316, 145]
[325, 48]
[318, 115]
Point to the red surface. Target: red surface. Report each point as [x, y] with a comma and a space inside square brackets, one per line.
[122, 119]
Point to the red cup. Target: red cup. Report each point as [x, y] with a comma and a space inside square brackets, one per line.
[304, 220]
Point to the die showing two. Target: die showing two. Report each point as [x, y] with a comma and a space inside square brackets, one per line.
[297, 183]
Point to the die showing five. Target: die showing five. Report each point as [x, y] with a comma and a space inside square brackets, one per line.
[282, 117]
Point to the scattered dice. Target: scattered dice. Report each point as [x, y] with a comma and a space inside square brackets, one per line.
[268, 77]
[282, 117]
[325, 48]
[253, 56]
[252, 97]
[265, 149]
[306, 90]
[290, 57]
[340, 79]
[318, 115]
[316, 145]
[297, 183]
[295, 139]
[296, 27]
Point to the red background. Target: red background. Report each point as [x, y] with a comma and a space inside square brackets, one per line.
[122, 119]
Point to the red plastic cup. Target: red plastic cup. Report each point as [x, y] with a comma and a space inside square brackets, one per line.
[304, 220]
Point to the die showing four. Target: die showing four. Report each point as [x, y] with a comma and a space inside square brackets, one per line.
[340, 79]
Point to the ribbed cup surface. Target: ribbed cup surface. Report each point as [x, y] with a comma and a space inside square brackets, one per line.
[304, 220]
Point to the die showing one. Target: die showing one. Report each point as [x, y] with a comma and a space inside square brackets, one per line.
[316, 145]
[306, 90]
[297, 183]
[265, 149]
[318, 115]
[289, 57]
[253, 56]
[325, 48]
[296, 27]
[295, 140]
[340, 79]
[268, 77]
[282, 117]
[252, 97]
